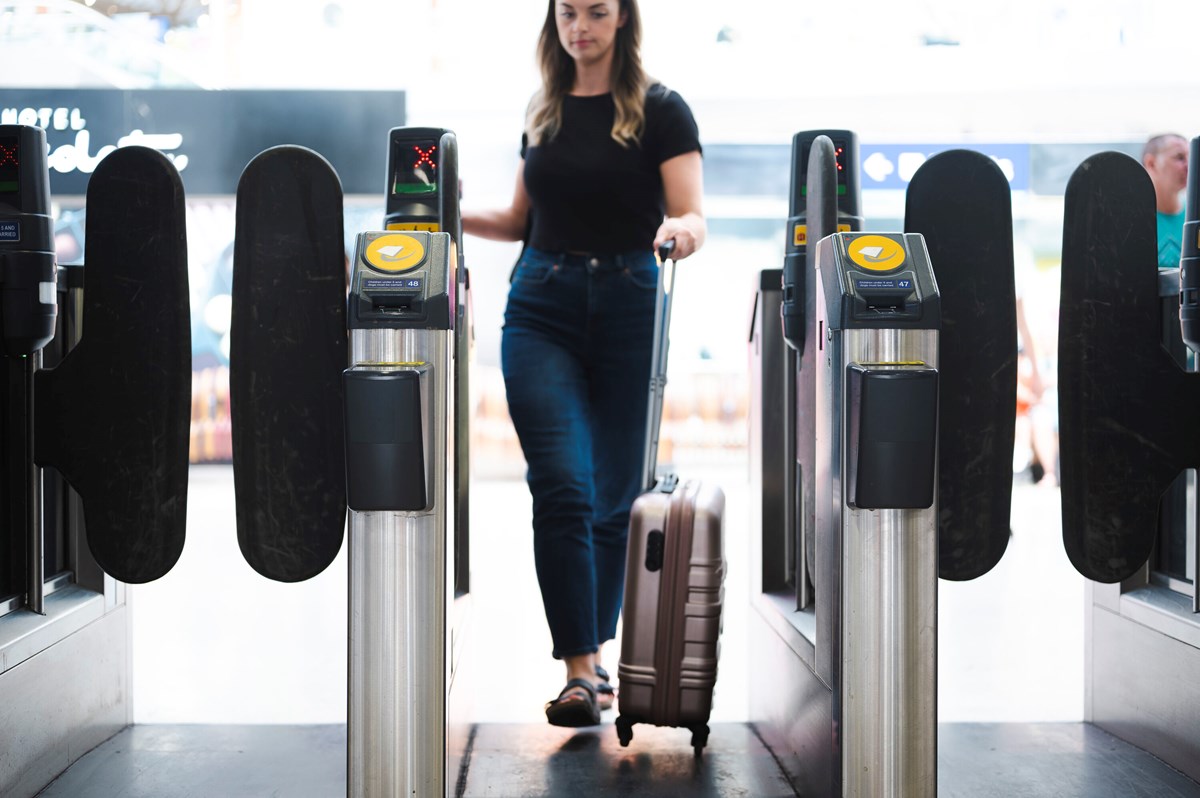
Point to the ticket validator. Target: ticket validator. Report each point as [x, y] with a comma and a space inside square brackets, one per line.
[782, 369]
[420, 198]
[877, 320]
[809, 220]
[28, 311]
[400, 441]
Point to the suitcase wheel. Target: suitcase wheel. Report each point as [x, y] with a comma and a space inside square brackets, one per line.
[699, 738]
[624, 731]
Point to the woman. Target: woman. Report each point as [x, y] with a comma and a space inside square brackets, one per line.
[610, 170]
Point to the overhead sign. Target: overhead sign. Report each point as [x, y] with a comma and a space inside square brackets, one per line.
[891, 166]
[210, 136]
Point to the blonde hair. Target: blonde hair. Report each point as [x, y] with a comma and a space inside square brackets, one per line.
[543, 119]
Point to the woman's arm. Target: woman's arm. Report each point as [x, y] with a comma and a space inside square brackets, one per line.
[501, 224]
[683, 188]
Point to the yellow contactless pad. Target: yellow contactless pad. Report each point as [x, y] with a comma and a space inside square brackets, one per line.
[395, 252]
[876, 253]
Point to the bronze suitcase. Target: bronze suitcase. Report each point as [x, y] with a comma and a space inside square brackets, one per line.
[674, 583]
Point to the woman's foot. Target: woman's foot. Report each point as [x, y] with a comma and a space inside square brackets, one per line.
[606, 694]
[575, 706]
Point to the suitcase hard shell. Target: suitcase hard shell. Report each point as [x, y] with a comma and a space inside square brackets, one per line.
[674, 579]
[674, 590]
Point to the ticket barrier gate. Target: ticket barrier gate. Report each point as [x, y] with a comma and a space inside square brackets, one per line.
[844, 692]
[876, 444]
[1127, 430]
[407, 482]
[313, 438]
[398, 444]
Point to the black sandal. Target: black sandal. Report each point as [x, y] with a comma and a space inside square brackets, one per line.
[573, 709]
[606, 694]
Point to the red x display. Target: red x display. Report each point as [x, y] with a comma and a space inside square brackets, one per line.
[424, 157]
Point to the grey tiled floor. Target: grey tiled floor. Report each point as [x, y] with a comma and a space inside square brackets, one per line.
[1062, 760]
[210, 761]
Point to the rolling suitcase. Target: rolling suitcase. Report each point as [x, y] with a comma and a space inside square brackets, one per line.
[674, 579]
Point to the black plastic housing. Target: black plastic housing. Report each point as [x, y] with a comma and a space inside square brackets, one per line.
[825, 197]
[891, 446]
[385, 451]
[28, 267]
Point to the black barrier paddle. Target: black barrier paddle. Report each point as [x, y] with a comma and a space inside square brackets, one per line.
[822, 210]
[113, 416]
[288, 349]
[1127, 412]
[961, 203]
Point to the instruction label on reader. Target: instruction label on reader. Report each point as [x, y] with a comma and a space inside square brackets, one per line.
[10, 231]
[383, 284]
[885, 285]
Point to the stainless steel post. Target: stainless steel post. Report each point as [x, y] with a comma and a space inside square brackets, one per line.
[889, 634]
[399, 598]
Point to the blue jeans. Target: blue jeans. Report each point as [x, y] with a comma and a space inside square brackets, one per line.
[575, 353]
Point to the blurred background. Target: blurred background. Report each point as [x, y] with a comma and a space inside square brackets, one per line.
[1038, 86]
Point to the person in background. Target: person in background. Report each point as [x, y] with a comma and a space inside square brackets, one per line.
[1166, 160]
[610, 170]
[1037, 400]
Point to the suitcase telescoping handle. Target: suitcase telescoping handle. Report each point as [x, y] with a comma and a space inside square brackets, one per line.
[658, 359]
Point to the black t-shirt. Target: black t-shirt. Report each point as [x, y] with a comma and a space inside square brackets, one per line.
[590, 194]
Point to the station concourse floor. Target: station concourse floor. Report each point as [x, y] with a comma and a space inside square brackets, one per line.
[1060, 760]
[991, 668]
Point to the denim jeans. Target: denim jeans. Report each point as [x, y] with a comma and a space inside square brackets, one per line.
[576, 354]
